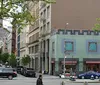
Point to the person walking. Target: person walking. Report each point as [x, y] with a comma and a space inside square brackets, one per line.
[39, 80]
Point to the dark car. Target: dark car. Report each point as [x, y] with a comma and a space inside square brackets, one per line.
[9, 73]
[89, 75]
[19, 69]
[29, 72]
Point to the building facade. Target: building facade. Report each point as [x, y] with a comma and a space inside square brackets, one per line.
[22, 45]
[9, 43]
[33, 36]
[55, 16]
[13, 41]
[81, 50]
[66, 14]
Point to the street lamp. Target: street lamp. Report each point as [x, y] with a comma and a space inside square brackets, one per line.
[65, 51]
[65, 56]
[64, 63]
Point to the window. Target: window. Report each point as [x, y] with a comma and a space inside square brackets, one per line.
[44, 28]
[69, 46]
[32, 49]
[37, 35]
[48, 26]
[44, 13]
[29, 50]
[29, 39]
[36, 48]
[92, 47]
[48, 11]
[53, 46]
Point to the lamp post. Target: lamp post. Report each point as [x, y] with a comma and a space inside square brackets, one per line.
[65, 56]
[65, 51]
[64, 63]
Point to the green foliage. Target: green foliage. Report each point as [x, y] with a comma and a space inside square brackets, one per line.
[9, 9]
[26, 60]
[0, 57]
[97, 25]
[5, 57]
[12, 60]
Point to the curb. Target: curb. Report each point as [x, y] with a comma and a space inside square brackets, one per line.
[84, 81]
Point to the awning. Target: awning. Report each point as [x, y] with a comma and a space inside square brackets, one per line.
[69, 62]
[93, 62]
[52, 61]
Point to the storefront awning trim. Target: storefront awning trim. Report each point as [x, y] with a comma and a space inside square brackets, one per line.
[93, 62]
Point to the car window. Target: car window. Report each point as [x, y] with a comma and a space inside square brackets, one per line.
[1, 70]
[7, 70]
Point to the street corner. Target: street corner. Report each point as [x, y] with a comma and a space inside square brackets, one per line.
[83, 81]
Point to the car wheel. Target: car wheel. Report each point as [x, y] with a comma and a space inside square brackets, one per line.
[10, 77]
[82, 77]
[96, 77]
[59, 76]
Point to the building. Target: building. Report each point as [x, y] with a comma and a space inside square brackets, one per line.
[22, 43]
[33, 36]
[13, 41]
[66, 14]
[9, 43]
[81, 50]
[5, 49]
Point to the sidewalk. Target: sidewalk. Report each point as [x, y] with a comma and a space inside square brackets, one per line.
[50, 76]
[47, 76]
[84, 80]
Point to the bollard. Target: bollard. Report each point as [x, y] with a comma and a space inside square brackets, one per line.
[85, 83]
[62, 83]
[99, 78]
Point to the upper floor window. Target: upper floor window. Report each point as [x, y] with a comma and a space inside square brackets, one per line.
[48, 11]
[53, 47]
[92, 46]
[48, 26]
[69, 46]
[45, 13]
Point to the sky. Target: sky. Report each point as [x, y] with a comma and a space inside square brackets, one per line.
[7, 24]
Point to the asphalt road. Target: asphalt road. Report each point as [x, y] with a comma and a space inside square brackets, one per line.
[47, 80]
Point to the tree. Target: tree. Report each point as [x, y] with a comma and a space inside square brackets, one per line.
[97, 25]
[19, 19]
[5, 57]
[0, 58]
[26, 60]
[12, 60]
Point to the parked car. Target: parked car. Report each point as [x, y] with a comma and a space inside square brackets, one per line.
[67, 75]
[29, 72]
[19, 69]
[89, 75]
[9, 73]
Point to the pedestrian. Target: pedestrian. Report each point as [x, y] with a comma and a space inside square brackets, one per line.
[39, 80]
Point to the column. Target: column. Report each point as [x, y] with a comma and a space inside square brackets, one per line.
[46, 64]
[80, 66]
[56, 67]
[42, 56]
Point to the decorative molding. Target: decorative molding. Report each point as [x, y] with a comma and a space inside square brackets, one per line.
[74, 32]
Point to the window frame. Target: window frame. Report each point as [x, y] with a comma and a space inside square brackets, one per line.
[92, 50]
[72, 46]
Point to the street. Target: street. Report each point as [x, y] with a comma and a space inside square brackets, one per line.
[47, 80]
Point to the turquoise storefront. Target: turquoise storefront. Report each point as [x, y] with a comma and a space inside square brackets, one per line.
[81, 48]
